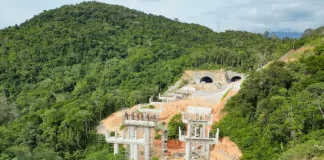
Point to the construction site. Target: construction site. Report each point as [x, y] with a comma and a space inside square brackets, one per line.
[199, 96]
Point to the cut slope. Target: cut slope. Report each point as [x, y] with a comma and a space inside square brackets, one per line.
[294, 55]
[204, 97]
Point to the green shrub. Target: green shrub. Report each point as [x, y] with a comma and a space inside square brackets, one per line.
[157, 136]
[173, 126]
[155, 158]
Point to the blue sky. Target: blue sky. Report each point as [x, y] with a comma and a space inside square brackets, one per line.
[249, 15]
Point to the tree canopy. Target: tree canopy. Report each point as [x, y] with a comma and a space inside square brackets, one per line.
[278, 113]
[65, 69]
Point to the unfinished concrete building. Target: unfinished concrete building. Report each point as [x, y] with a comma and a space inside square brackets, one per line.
[177, 94]
[198, 137]
[132, 122]
[142, 121]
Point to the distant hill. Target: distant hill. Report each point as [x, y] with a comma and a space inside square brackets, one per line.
[288, 34]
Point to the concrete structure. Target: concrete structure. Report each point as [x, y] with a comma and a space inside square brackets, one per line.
[217, 76]
[152, 102]
[164, 142]
[167, 99]
[221, 77]
[198, 139]
[132, 122]
[176, 94]
[145, 108]
[233, 76]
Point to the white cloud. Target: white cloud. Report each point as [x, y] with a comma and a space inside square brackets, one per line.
[249, 15]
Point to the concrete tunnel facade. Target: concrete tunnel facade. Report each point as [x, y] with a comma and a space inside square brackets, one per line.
[217, 76]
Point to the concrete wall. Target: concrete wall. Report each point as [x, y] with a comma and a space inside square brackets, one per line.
[218, 76]
[231, 74]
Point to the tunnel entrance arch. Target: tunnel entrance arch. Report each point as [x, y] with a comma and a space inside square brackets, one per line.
[206, 79]
[235, 78]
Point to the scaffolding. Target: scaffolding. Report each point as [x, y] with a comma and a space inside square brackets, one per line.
[164, 143]
[198, 137]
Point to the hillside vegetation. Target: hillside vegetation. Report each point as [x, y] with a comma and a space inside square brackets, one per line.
[279, 112]
[65, 69]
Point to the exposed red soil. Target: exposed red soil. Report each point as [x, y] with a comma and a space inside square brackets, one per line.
[225, 149]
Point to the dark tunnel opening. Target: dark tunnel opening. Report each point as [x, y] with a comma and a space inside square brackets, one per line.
[206, 80]
[235, 78]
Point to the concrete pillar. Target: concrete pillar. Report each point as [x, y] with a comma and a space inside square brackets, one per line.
[135, 147]
[201, 133]
[203, 148]
[217, 135]
[147, 144]
[188, 146]
[135, 152]
[180, 133]
[196, 131]
[207, 151]
[107, 134]
[204, 130]
[116, 148]
[189, 130]
[131, 146]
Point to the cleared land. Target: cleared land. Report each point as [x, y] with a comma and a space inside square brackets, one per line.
[206, 95]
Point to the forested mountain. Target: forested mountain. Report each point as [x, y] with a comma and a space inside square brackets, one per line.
[279, 112]
[65, 69]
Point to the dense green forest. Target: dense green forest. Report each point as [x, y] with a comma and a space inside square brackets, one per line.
[65, 69]
[279, 112]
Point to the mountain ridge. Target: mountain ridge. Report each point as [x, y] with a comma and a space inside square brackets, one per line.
[66, 68]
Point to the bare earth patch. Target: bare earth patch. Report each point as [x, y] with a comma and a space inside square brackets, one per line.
[294, 55]
[206, 96]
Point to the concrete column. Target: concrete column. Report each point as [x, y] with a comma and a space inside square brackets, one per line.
[203, 148]
[207, 151]
[188, 146]
[135, 152]
[204, 130]
[201, 133]
[135, 147]
[217, 135]
[131, 146]
[189, 130]
[107, 134]
[116, 148]
[147, 144]
[195, 132]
